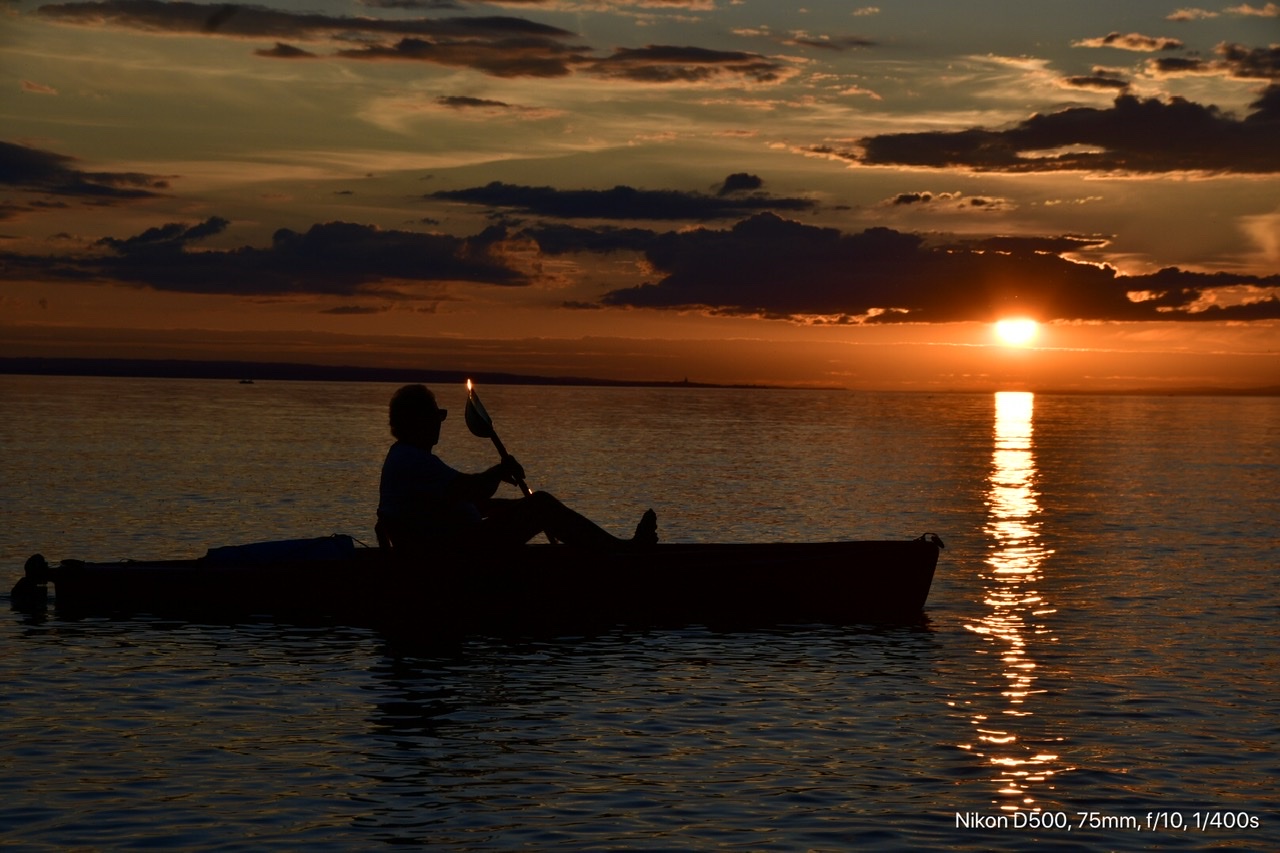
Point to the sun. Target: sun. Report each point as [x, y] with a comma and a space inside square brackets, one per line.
[1017, 332]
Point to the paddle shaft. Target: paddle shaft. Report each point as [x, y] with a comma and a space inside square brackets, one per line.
[502, 452]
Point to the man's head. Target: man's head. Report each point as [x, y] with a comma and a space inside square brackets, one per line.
[414, 413]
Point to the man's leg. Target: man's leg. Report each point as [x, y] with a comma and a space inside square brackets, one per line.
[516, 522]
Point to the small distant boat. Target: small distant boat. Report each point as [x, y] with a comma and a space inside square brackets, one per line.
[536, 587]
[246, 381]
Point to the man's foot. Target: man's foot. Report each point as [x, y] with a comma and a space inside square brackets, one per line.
[646, 531]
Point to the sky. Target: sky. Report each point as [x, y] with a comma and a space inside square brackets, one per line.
[741, 191]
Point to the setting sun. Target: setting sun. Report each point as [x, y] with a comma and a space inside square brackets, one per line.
[1017, 333]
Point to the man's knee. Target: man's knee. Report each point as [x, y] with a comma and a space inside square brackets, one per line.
[543, 500]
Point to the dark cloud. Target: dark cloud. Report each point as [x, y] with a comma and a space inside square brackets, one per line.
[1131, 41]
[1100, 80]
[834, 43]
[335, 258]
[1234, 60]
[912, 198]
[772, 267]
[530, 56]
[502, 46]
[166, 239]
[948, 201]
[498, 45]
[922, 198]
[261, 22]
[1176, 66]
[462, 102]
[1266, 110]
[621, 202]
[673, 64]
[486, 108]
[219, 17]
[740, 182]
[285, 51]
[565, 239]
[45, 172]
[1134, 135]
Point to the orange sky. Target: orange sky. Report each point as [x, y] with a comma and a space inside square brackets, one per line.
[730, 192]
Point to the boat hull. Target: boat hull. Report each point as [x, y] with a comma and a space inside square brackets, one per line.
[533, 588]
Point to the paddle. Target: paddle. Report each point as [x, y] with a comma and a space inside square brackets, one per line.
[481, 426]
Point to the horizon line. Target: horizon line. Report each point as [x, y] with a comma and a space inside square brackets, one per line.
[251, 371]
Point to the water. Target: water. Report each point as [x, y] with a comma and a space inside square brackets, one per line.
[1100, 648]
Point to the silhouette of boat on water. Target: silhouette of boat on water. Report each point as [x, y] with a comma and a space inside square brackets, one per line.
[536, 587]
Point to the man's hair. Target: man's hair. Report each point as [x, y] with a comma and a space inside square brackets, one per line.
[411, 403]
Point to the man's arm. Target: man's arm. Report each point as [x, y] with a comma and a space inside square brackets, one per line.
[478, 487]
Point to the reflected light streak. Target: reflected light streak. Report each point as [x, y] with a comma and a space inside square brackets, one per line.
[1014, 561]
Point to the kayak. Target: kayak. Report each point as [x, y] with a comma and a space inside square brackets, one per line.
[536, 587]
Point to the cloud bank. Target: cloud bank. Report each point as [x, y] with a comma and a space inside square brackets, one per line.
[761, 266]
[772, 267]
[500, 46]
[1134, 135]
[624, 202]
[329, 259]
[47, 173]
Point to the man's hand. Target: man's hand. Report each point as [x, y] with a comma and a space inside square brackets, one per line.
[510, 470]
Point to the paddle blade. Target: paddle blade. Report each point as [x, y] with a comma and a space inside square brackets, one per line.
[478, 420]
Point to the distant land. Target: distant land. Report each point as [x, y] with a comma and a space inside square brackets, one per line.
[246, 371]
[264, 370]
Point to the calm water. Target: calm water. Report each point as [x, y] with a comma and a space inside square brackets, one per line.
[1101, 647]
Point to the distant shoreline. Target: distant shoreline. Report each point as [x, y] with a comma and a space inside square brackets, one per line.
[253, 371]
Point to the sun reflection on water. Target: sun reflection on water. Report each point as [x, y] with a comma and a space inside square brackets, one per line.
[1014, 618]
